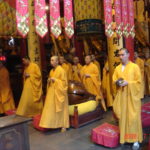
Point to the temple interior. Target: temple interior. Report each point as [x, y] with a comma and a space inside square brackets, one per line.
[70, 67]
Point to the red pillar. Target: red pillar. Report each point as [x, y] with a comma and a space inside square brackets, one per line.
[129, 44]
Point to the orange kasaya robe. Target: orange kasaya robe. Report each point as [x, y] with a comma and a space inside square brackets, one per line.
[147, 77]
[55, 113]
[98, 66]
[140, 63]
[31, 102]
[76, 72]
[106, 85]
[127, 103]
[6, 96]
[92, 83]
[68, 69]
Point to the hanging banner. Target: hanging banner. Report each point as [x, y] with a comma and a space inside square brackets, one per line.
[114, 45]
[33, 39]
[55, 17]
[40, 17]
[118, 18]
[68, 18]
[125, 23]
[22, 17]
[131, 18]
[108, 18]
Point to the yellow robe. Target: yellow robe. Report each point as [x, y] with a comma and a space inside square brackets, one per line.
[127, 103]
[92, 83]
[76, 72]
[6, 96]
[68, 69]
[147, 77]
[56, 112]
[98, 66]
[31, 99]
[140, 63]
[106, 85]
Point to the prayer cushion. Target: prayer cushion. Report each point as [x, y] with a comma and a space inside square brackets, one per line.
[145, 115]
[36, 121]
[106, 135]
[10, 112]
[83, 108]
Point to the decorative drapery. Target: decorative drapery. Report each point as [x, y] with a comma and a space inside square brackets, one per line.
[68, 18]
[125, 23]
[40, 17]
[22, 17]
[55, 25]
[124, 18]
[131, 18]
[118, 17]
[108, 18]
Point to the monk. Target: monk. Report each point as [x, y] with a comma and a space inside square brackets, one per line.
[106, 85]
[55, 113]
[140, 63]
[96, 63]
[6, 96]
[76, 69]
[31, 102]
[127, 103]
[91, 80]
[66, 66]
[147, 73]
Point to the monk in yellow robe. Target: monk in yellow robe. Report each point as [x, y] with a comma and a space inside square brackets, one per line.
[127, 103]
[106, 85]
[31, 102]
[140, 63]
[96, 63]
[6, 96]
[147, 74]
[66, 66]
[91, 80]
[76, 69]
[55, 113]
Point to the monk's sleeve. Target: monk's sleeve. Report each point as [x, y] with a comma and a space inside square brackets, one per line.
[60, 89]
[134, 86]
[95, 76]
[36, 83]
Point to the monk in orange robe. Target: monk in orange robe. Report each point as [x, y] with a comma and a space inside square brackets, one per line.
[6, 96]
[66, 66]
[56, 112]
[76, 69]
[147, 74]
[96, 63]
[90, 78]
[127, 103]
[106, 85]
[31, 102]
[140, 63]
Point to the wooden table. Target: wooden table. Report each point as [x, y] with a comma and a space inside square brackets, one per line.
[14, 133]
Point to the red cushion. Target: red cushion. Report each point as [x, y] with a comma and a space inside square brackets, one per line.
[106, 134]
[10, 112]
[145, 115]
[36, 121]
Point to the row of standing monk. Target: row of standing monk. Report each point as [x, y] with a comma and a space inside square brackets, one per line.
[55, 111]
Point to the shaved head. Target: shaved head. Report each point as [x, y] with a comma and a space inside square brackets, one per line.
[61, 60]
[54, 61]
[55, 58]
[76, 60]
